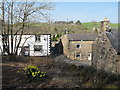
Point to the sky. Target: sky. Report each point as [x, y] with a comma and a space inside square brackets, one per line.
[85, 11]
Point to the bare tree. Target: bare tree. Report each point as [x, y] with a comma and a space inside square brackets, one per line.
[15, 18]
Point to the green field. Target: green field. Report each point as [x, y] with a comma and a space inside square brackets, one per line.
[91, 25]
[53, 28]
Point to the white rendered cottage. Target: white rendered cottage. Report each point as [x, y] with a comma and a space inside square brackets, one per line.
[31, 45]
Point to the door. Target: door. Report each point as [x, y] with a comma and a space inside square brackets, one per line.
[25, 51]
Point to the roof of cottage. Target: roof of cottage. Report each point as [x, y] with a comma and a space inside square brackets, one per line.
[114, 37]
[82, 36]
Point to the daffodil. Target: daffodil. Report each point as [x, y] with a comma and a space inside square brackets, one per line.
[32, 71]
[18, 71]
[38, 71]
[43, 75]
[40, 75]
[33, 74]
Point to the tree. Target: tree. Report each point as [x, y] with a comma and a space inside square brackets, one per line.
[78, 22]
[70, 22]
[19, 12]
[55, 29]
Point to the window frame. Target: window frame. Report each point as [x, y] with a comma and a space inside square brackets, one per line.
[79, 55]
[38, 38]
[89, 54]
[77, 45]
[39, 49]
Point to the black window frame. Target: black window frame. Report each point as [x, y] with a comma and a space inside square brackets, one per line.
[89, 54]
[38, 48]
[78, 55]
[37, 37]
[78, 46]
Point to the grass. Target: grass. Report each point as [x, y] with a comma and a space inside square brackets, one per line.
[53, 28]
[91, 25]
[114, 25]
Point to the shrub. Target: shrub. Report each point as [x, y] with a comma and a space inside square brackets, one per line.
[32, 73]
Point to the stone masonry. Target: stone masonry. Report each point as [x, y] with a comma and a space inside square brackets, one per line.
[78, 46]
[104, 55]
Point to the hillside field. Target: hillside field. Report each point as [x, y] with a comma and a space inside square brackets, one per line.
[53, 28]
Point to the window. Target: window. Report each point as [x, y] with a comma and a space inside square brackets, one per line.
[45, 39]
[25, 50]
[37, 37]
[26, 53]
[78, 55]
[78, 46]
[37, 47]
[89, 54]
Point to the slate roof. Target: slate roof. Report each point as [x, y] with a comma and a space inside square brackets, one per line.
[114, 37]
[82, 36]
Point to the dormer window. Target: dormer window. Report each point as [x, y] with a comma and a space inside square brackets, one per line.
[37, 38]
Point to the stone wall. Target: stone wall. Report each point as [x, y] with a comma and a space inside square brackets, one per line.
[65, 43]
[70, 50]
[84, 50]
[104, 55]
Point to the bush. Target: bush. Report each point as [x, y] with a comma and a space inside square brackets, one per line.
[32, 73]
[55, 38]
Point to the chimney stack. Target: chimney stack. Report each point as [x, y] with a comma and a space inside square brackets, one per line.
[66, 31]
[105, 25]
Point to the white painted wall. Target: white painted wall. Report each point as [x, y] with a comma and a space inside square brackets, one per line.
[45, 42]
[1, 48]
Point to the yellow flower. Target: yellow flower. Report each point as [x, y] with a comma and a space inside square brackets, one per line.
[36, 72]
[29, 66]
[18, 71]
[43, 75]
[40, 75]
[33, 74]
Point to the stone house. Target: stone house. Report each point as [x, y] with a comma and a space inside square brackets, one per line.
[106, 50]
[78, 46]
